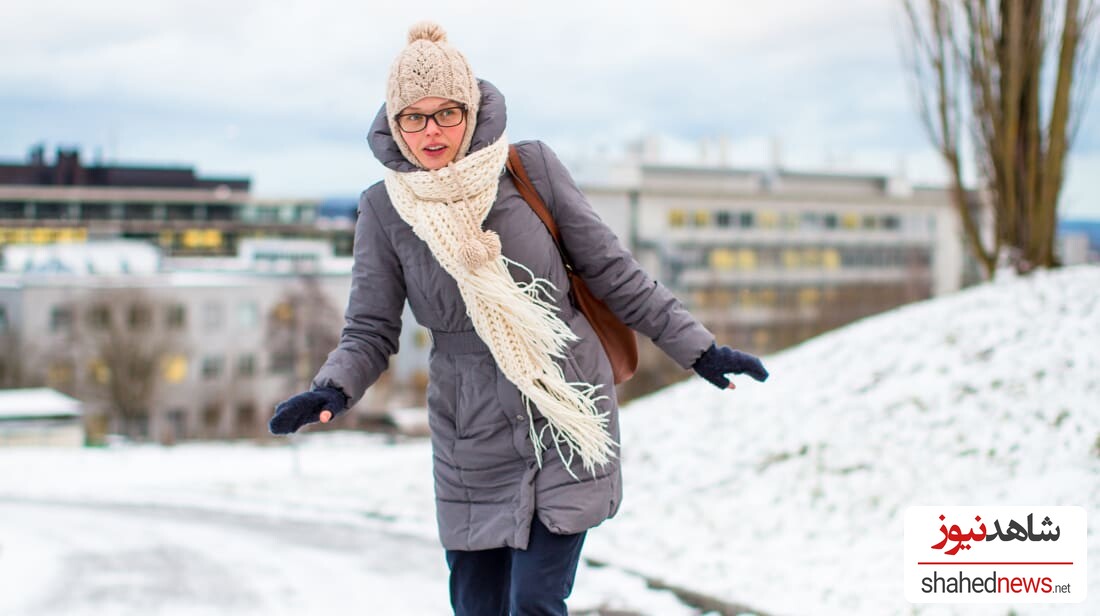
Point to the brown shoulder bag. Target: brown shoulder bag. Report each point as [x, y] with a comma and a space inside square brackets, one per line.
[619, 341]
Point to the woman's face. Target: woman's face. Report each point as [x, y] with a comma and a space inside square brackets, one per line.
[435, 146]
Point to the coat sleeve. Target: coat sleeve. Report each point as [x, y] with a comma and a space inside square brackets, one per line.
[610, 270]
[373, 318]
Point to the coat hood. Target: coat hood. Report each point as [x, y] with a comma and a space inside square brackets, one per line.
[491, 120]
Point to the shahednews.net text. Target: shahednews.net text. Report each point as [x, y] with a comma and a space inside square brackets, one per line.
[991, 584]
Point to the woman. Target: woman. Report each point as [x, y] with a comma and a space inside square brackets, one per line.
[521, 398]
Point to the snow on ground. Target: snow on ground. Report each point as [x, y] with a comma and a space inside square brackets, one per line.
[334, 522]
[786, 496]
[789, 495]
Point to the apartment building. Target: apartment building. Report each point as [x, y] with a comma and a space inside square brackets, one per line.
[768, 258]
[170, 348]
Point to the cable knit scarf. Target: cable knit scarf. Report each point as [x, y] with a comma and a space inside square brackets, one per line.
[446, 208]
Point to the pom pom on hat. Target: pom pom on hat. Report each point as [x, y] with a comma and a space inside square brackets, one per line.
[430, 67]
[427, 31]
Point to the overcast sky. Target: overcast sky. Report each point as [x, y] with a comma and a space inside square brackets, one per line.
[283, 91]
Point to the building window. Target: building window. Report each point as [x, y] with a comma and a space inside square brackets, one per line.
[211, 417]
[850, 221]
[99, 317]
[11, 209]
[747, 220]
[95, 211]
[211, 367]
[811, 257]
[746, 258]
[137, 211]
[767, 256]
[246, 417]
[141, 317]
[768, 297]
[870, 222]
[767, 220]
[761, 338]
[789, 220]
[99, 372]
[808, 297]
[177, 422]
[61, 319]
[791, 259]
[830, 221]
[746, 298]
[676, 218]
[212, 316]
[282, 363]
[175, 368]
[701, 218]
[177, 316]
[723, 219]
[811, 220]
[246, 365]
[891, 223]
[723, 259]
[218, 212]
[136, 425]
[59, 373]
[248, 314]
[283, 312]
[3, 319]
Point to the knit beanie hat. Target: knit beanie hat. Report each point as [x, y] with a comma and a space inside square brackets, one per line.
[430, 66]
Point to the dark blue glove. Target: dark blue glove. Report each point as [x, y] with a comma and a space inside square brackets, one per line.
[305, 408]
[716, 361]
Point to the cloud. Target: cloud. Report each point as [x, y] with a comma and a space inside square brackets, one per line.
[196, 80]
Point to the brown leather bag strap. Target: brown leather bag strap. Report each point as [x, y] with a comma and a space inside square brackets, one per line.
[527, 190]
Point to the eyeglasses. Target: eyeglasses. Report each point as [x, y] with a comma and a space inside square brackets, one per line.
[444, 118]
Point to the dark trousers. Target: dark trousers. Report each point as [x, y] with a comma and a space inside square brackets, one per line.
[531, 582]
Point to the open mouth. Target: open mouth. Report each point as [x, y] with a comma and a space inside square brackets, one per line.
[435, 148]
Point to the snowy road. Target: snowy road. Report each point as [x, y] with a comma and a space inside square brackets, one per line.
[79, 558]
[127, 559]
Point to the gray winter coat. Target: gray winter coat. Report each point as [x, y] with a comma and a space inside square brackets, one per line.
[487, 484]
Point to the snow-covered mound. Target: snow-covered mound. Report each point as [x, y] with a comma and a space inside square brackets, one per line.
[789, 495]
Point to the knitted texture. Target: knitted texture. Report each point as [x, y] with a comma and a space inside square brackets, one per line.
[306, 408]
[717, 361]
[446, 209]
[430, 66]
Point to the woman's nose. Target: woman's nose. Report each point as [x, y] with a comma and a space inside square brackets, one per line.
[432, 128]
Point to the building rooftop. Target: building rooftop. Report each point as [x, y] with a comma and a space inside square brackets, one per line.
[68, 170]
[37, 403]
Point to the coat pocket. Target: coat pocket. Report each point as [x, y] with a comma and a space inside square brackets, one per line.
[478, 408]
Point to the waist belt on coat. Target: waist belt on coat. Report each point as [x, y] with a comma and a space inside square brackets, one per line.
[467, 341]
[458, 343]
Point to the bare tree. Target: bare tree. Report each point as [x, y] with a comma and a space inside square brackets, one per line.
[114, 338]
[19, 366]
[985, 72]
[302, 328]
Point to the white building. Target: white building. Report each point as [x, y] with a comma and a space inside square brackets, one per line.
[225, 339]
[767, 258]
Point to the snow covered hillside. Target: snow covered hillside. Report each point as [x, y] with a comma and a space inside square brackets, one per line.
[786, 496]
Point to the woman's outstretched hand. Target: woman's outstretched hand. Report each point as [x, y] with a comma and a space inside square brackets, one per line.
[321, 404]
[717, 361]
